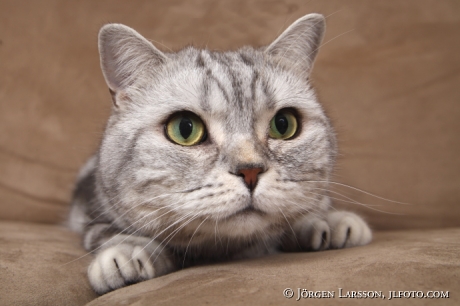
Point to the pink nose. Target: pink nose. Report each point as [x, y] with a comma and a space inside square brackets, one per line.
[250, 176]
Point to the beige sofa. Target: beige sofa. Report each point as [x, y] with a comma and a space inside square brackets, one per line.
[388, 75]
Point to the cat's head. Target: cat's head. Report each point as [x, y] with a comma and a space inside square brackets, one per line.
[223, 141]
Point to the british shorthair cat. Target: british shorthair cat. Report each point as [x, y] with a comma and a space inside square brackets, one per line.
[208, 156]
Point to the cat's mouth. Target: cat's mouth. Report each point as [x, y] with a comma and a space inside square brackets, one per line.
[247, 211]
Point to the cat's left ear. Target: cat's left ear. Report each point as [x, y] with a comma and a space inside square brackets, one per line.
[298, 45]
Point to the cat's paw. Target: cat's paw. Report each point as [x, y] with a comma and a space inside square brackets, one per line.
[347, 230]
[313, 234]
[338, 230]
[119, 266]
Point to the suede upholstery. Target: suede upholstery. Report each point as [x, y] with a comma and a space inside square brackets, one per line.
[388, 76]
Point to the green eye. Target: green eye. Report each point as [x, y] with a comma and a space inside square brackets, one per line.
[186, 129]
[283, 125]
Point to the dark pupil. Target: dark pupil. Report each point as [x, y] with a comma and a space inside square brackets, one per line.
[281, 124]
[185, 127]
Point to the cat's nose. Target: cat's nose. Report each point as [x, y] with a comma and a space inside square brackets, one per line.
[250, 176]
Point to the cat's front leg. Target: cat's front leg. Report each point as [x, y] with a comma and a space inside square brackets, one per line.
[338, 229]
[122, 260]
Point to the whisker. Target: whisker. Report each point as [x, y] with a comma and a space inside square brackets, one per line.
[368, 206]
[135, 206]
[116, 236]
[124, 230]
[349, 200]
[295, 236]
[186, 249]
[325, 43]
[216, 231]
[306, 210]
[174, 233]
[354, 188]
[154, 239]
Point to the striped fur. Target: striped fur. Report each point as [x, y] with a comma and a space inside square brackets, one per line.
[148, 206]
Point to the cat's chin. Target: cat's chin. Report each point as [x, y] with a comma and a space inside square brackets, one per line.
[244, 222]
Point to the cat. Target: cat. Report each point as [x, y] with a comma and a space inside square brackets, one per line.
[208, 156]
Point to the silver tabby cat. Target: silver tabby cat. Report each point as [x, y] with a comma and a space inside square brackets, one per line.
[208, 156]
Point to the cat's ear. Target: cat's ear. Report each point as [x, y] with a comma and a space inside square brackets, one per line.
[125, 55]
[298, 45]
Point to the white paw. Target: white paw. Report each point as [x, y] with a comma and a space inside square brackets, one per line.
[313, 234]
[119, 266]
[348, 230]
[339, 230]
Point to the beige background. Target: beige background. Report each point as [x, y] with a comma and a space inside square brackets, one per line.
[388, 75]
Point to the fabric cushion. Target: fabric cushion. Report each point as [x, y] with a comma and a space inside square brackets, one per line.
[421, 260]
[41, 265]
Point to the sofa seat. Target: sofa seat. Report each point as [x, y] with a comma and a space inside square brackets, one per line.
[43, 265]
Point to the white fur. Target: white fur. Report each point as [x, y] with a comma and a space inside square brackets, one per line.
[339, 230]
[77, 218]
[116, 266]
[192, 199]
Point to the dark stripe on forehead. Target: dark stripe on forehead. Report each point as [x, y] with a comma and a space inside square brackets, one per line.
[255, 78]
[226, 63]
[237, 90]
[237, 85]
[269, 94]
[222, 59]
[233, 68]
[211, 78]
[200, 61]
[246, 60]
[204, 95]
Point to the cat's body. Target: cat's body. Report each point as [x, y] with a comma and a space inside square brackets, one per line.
[208, 156]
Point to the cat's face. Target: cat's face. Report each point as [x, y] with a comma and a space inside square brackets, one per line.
[248, 109]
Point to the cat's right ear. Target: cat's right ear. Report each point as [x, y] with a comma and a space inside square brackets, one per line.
[125, 56]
